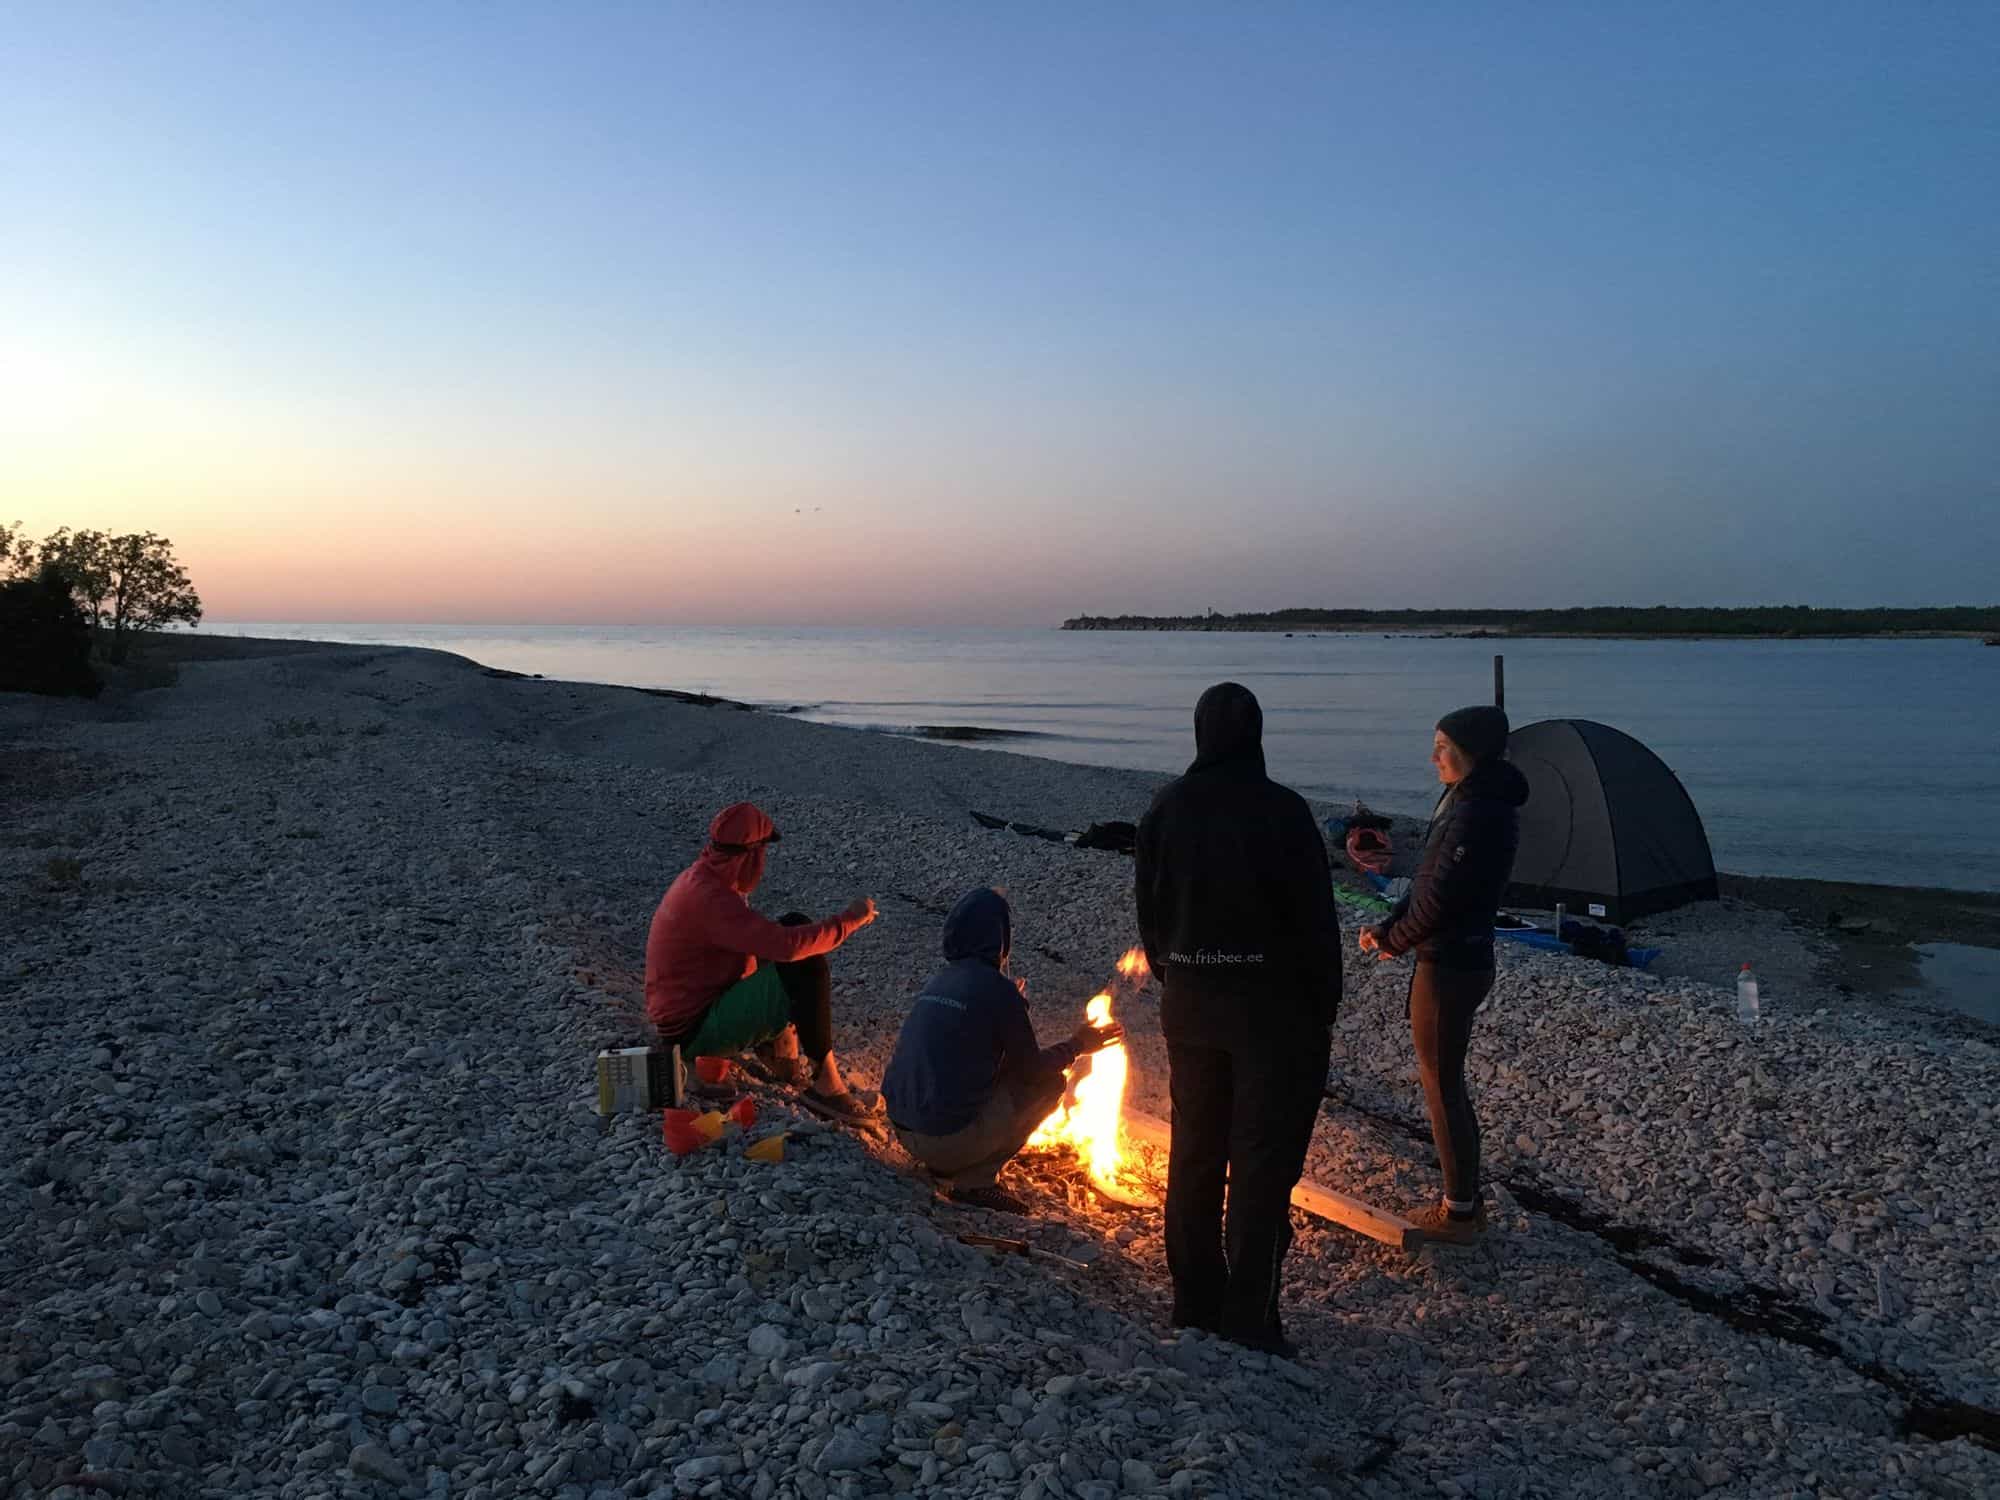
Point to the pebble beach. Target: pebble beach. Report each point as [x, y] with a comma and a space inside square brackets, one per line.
[304, 961]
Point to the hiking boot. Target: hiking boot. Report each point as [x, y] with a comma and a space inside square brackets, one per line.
[1439, 1224]
[996, 1199]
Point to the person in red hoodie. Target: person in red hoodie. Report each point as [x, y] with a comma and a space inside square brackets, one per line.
[720, 978]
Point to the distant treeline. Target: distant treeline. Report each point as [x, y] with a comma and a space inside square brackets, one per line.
[1770, 620]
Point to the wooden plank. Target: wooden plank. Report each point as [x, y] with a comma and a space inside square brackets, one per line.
[1319, 1201]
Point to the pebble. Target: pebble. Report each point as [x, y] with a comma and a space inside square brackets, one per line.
[847, 1449]
[371, 1461]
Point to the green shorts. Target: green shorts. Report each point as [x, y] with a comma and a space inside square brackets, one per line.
[750, 1011]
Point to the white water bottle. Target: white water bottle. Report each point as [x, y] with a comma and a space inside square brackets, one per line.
[1746, 996]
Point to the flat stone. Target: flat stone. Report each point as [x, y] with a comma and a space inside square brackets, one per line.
[847, 1449]
[371, 1461]
[811, 1376]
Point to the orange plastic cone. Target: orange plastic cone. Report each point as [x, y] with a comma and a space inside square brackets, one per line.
[677, 1127]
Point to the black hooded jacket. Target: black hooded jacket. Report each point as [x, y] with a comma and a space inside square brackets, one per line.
[968, 1029]
[1235, 899]
[1468, 858]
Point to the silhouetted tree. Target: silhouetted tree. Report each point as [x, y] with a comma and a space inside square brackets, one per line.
[149, 588]
[124, 584]
[44, 638]
[81, 558]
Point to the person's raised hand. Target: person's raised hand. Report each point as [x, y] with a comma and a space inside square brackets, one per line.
[860, 911]
[1089, 1038]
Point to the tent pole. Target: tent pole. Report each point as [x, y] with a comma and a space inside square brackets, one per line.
[1499, 682]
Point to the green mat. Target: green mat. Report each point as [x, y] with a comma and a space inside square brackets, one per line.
[1362, 899]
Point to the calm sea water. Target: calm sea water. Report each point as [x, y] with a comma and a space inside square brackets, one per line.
[1840, 760]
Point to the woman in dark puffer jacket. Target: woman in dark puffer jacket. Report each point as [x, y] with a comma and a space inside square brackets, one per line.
[1447, 921]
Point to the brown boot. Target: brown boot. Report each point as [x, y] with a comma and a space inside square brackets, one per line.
[1438, 1224]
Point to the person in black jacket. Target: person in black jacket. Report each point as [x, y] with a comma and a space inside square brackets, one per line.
[1447, 921]
[968, 1082]
[1237, 918]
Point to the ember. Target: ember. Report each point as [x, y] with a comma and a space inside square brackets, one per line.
[1089, 1116]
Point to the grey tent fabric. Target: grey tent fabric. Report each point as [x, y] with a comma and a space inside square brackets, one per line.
[1608, 829]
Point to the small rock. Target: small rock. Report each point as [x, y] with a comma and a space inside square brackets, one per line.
[847, 1449]
[371, 1461]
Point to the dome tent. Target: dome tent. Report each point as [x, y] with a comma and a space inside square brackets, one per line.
[1608, 829]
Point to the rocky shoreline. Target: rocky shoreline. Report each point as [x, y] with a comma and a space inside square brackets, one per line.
[305, 961]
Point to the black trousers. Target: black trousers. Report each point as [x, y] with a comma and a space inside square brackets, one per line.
[809, 987]
[1442, 1004]
[1244, 1108]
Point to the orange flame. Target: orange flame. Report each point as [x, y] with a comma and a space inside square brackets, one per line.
[1087, 1118]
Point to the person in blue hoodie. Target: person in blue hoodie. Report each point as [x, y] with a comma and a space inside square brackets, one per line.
[969, 1083]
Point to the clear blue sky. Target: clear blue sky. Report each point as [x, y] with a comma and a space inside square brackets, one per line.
[994, 313]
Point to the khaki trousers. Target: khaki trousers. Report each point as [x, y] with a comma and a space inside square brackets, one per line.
[973, 1157]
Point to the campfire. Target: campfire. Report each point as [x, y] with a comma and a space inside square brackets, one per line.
[1089, 1117]
[1112, 1145]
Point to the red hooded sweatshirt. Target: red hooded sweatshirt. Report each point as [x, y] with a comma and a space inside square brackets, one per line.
[705, 937]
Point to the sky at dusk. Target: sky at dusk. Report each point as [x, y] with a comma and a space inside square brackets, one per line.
[967, 314]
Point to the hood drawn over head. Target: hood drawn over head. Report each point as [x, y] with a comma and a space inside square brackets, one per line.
[1228, 729]
[979, 926]
[737, 839]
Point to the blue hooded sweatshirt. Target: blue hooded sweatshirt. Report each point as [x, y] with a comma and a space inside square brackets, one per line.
[969, 1028]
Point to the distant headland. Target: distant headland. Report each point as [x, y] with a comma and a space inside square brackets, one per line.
[1779, 621]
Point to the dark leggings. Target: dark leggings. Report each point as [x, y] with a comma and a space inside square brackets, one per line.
[1442, 1003]
[809, 987]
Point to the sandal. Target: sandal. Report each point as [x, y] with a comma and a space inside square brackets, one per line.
[792, 1072]
[842, 1108]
